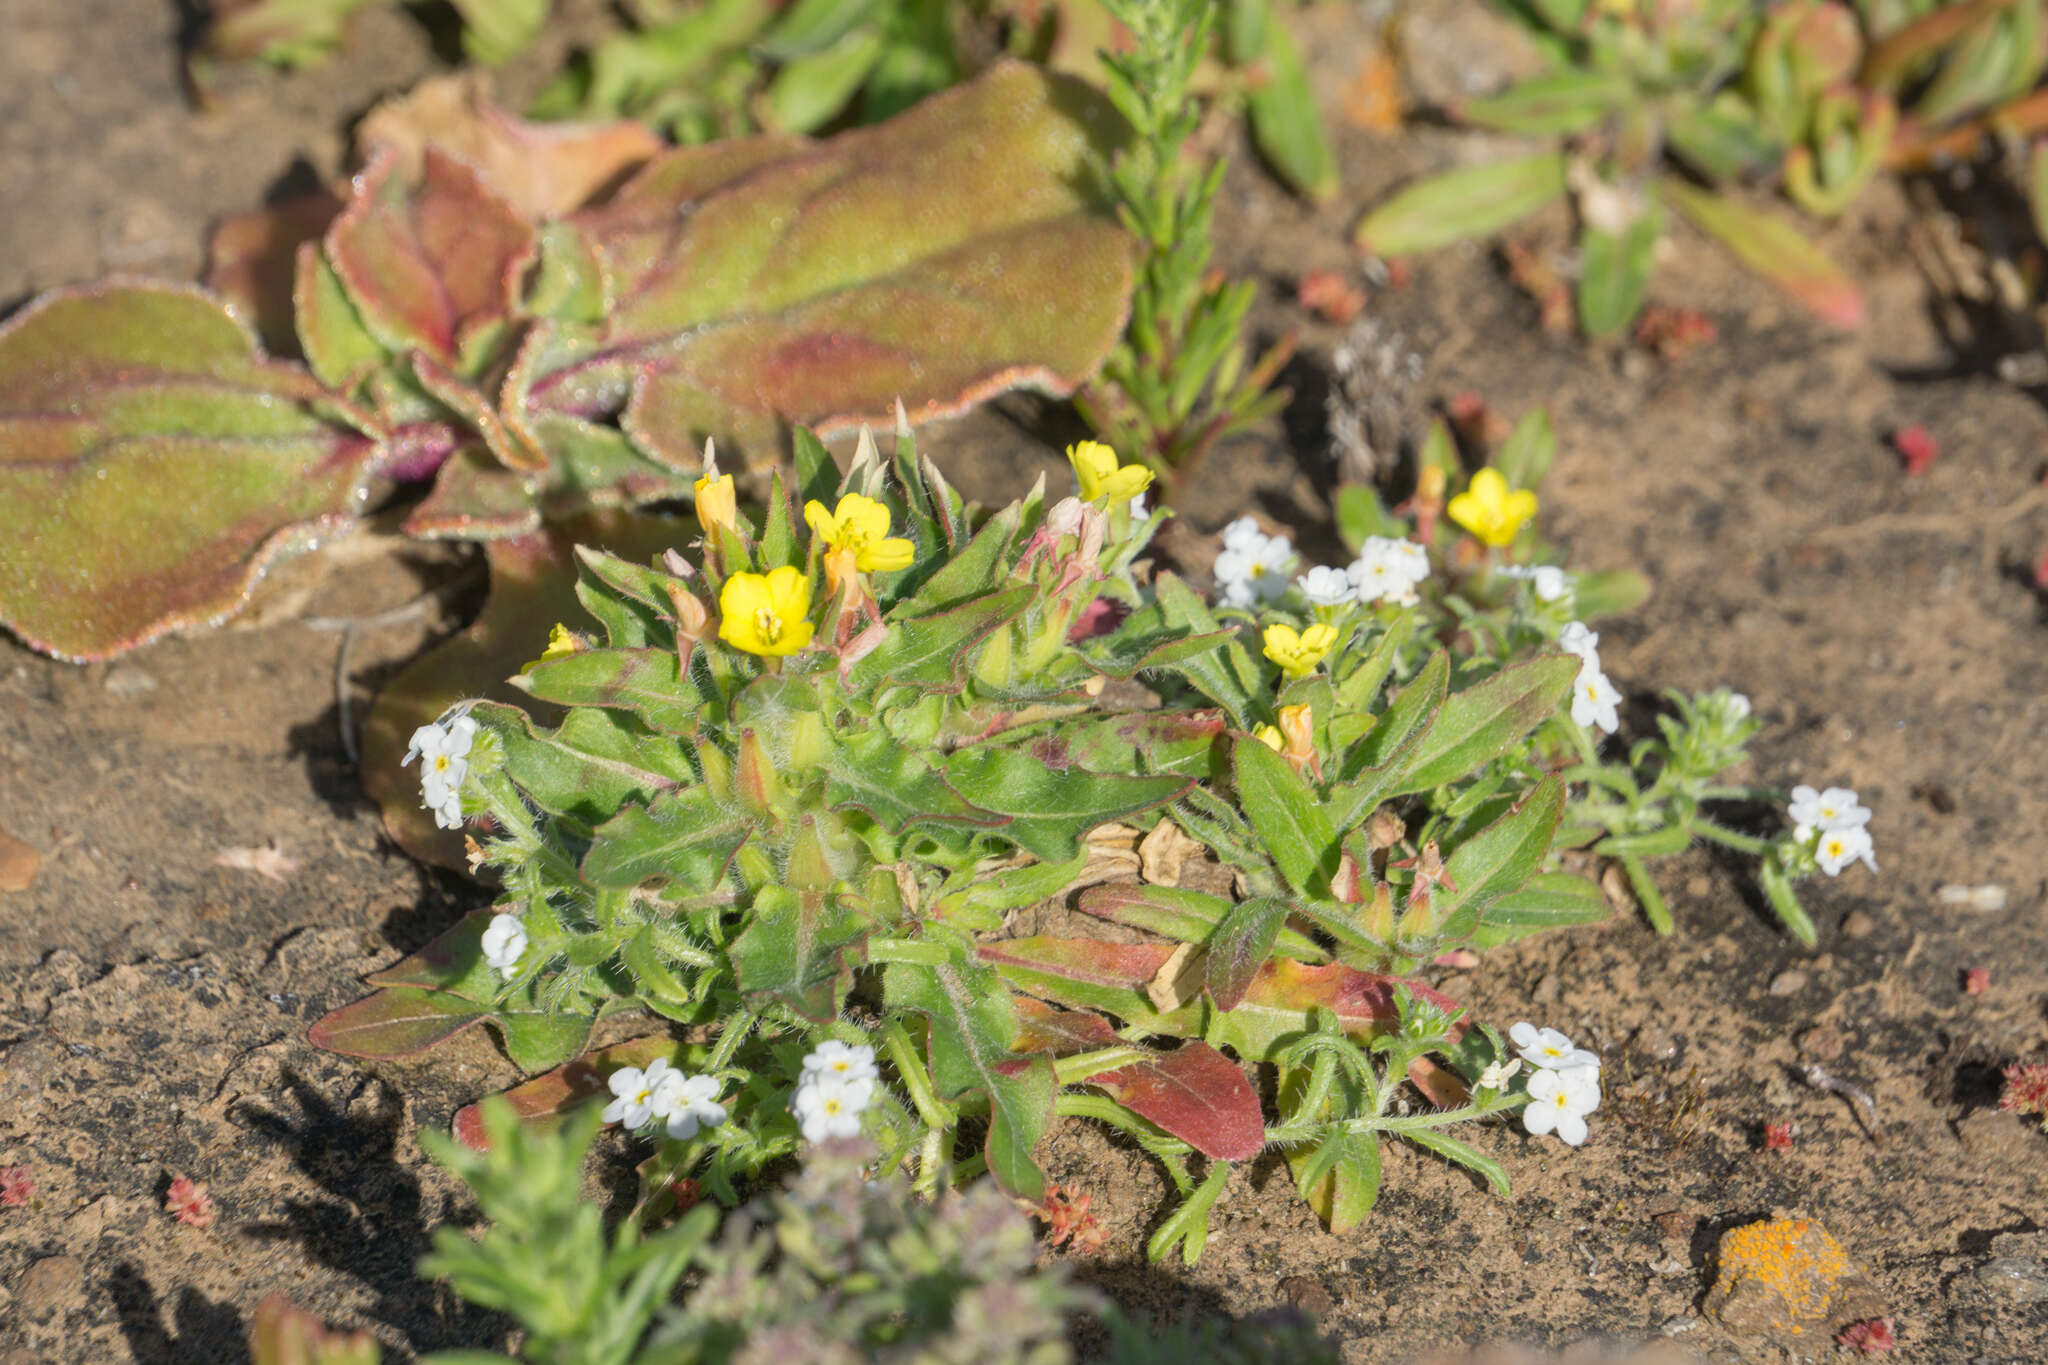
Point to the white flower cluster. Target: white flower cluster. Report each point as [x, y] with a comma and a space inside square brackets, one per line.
[682, 1103]
[1594, 699]
[1387, 570]
[504, 943]
[1547, 580]
[1254, 566]
[1564, 1082]
[1842, 824]
[837, 1086]
[443, 751]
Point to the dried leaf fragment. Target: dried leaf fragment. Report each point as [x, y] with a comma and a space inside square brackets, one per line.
[269, 862]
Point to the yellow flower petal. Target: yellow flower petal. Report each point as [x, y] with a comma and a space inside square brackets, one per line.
[766, 614]
[1490, 510]
[1100, 477]
[861, 525]
[717, 502]
[1299, 652]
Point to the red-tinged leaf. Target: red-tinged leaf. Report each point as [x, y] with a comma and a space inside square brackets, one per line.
[397, 1022]
[548, 1097]
[1277, 1006]
[154, 463]
[1774, 250]
[476, 498]
[251, 262]
[453, 962]
[542, 170]
[1048, 1028]
[285, 1335]
[957, 251]
[1084, 973]
[427, 265]
[533, 585]
[1198, 1095]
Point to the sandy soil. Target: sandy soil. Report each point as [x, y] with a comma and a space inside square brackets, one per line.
[154, 1005]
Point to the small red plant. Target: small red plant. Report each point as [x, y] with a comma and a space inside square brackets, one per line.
[2026, 1089]
[1976, 981]
[1777, 1137]
[1674, 333]
[1330, 296]
[16, 1187]
[1917, 447]
[687, 1194]
[1068, 1221]
[189, 1202]
[1869, 1336]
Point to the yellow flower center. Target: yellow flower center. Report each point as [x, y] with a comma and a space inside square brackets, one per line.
[440, 763]
[832, 1105]
[644, 1096]
[767, 625]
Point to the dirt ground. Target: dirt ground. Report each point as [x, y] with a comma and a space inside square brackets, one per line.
[155, 1002]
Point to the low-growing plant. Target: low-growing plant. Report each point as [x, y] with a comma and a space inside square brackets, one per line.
[804, 782]
[1672, 106]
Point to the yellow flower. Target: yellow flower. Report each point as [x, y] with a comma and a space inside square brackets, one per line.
[1490, 510]
[1298, 653]
[861, 527]
[1297, 725]
[717, 502]
[562, 642]
[1100, 476]
[1269, 736]
[766, 613]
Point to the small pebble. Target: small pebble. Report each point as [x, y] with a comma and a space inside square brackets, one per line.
[1823, 1042]
[1856, 924]
[1788, 982]
[2016, 1278]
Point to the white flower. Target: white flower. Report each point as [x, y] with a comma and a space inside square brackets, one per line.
[642, 1095]
[1325, 587]
[1576, 639]
[1559, 1102]
[1388, 570]
[1840, 847]
[504, 942]
[1496, 1076]
[444, 754]
[1833, 809]
[828, 1107]
[1243, 532]
[1738, 705]
[839, 1061]
[1594, 698]
[1547, 580]
[1549, 1050]
[692, 1103]
[1139, 512]
[448, 814]
[1255, 568]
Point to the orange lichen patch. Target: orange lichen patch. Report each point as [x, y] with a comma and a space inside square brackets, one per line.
[1781, 1276]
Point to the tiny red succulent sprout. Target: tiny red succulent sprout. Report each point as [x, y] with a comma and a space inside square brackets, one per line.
[1976, 981]
[1868, 1336]
[1917, 447]
[17, 1186]
[1674, 333]
[1330, 296]
[1777, 1137]
[2026, 1089]
[687, 1194]
[1067, 1219]
[189, 1202]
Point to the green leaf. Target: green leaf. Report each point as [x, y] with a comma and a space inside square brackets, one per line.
[1525, 456]
[494, 31]
[1051, 810]
[589, 766]
[982, 903]
[1182, 913]
[399, 1022]
[536, 1040]
[1339, 1178]
[1360, 514]
[1774, 250]
[1558, 102]
[894, 786]
[1456, 1152]
[973, 1028]
[1548, 900]
[452, 962]
[810, 90]
[1399, 727]
[1614, 273]
[153, 464]
[1481, 723]
[1281, 103]
[284, 1335]
[1088, 974]
[800, 947]
[1609, 593]
[1240, 946]
[1227, 677]
[1290, 821]
[686, 838]
[933, 652]
[647, 682]
[1498, 859]
[1472, 201]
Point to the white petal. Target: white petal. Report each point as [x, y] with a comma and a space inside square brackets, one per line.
[1522, 1034]
[1571, 1127]
[1539, 1119]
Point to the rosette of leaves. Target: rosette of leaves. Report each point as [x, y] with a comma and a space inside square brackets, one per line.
[546, 323]
[1655, 107]
[760, 852]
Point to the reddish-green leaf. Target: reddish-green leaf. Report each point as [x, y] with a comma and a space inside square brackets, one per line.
[1472, 201]
[453, 962]
[1240, 947]
[1195, 1093]
[1773, 249]
[1048, 1028]
[1276, 1007]
[284, 1335]
[397, 1022]
[546, 1098]
[153, 463]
